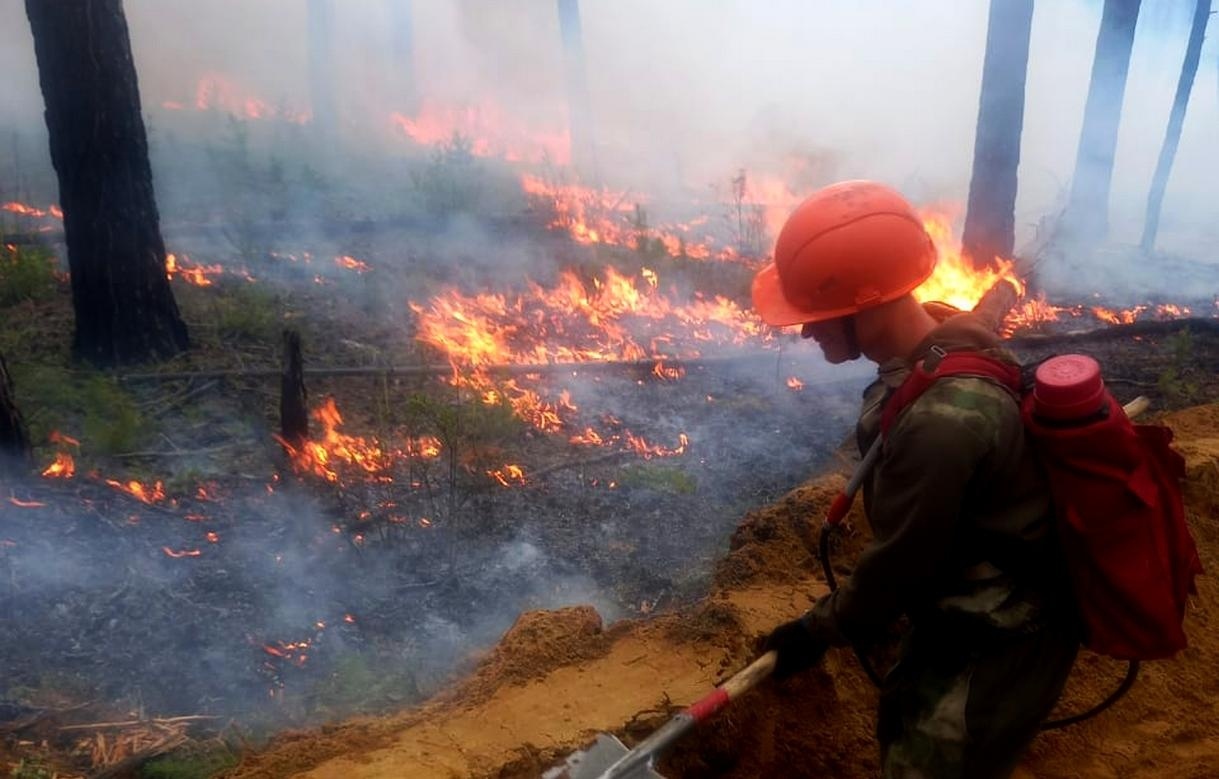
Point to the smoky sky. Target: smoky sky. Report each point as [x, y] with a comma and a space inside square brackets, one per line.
[685, 92]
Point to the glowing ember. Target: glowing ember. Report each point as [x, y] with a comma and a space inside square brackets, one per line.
[508, 475]
[794, 383]
[667, 372]
[351, 263]
[484, 131]
[144, 494]
[180, 553]
[26, 504]
[212, 537]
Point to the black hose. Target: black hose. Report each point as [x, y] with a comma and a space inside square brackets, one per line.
[823, 554]
[1132, 672]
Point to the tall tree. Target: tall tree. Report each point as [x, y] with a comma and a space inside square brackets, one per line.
[125, 309]
[579, 110]
[321, 67]
[990, 218]
[404, 54]
[1176, 119]
[1087, 214]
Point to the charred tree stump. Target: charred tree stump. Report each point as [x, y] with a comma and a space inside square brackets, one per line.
[990, 219]
[293, 397]
[1176, 119]
[14, 436]
[125, 309]
[1087, 214]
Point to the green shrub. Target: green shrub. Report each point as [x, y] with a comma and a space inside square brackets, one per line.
[25, 274]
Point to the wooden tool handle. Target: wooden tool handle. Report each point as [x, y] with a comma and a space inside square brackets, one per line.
[1137, 406]
[741, 682]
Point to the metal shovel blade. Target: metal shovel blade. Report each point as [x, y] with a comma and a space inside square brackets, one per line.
[591, 763]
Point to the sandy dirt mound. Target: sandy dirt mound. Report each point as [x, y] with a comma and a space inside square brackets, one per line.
[557, 678]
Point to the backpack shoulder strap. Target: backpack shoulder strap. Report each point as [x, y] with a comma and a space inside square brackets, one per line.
[941, 364]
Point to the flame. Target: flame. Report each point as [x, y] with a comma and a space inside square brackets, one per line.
[189, 272]
[351, 263]
[955, 280]
[486, 130]
[794, 383]
[212, 537]
[21, 209]
[368, 456]
[145, 494]
[508, 475]
[25, 504]
[216, 92]
[64, 467]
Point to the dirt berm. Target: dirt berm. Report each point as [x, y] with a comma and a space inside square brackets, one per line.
[557, 678]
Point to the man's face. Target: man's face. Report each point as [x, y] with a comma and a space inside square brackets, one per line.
[831, 336]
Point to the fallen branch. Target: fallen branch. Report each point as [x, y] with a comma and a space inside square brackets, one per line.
[1159, 327]
[130, 723]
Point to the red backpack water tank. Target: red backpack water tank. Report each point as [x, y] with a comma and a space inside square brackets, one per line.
[1117, 496]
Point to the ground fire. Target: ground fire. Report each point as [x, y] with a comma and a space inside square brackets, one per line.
[476, 391]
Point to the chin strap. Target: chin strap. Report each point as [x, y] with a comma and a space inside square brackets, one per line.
[852, 337]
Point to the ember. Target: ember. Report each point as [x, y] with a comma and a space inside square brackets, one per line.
[145, 494]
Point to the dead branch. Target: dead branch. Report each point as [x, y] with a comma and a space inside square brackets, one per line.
[1109, 332]
[134, 722]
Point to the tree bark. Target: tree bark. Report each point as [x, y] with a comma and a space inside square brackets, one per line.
[293, 397]
[14, 436]
[1176, 119]
[321, 68]
[125, 309]
[1087, 214]
[404, 55]
[579, 110]
[990, 219]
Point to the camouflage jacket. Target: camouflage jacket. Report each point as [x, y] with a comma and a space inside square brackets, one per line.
[959, 509]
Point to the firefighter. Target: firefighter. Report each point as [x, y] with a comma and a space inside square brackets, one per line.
[964, 546]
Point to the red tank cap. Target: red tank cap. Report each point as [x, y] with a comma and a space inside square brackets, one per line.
[1068, 387]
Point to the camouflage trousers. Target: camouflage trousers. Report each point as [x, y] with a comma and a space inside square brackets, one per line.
[956, 708]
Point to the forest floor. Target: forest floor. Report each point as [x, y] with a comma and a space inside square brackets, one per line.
[558, 677]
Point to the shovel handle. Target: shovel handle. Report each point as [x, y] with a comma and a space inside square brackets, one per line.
[741, 682]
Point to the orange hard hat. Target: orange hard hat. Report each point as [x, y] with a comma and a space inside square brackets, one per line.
[847, 247]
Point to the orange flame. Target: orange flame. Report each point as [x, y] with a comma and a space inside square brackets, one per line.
[487, 131]
[64, 467]
[215, 92]
[144, 494]
[351, 263]
[794, 383]
[955, 280]
[189, 272]
[508, 475]
[21, 209]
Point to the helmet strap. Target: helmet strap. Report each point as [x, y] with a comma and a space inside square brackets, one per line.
[851, 335]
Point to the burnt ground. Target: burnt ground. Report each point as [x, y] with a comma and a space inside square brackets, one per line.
[264, 598]
[313, 600]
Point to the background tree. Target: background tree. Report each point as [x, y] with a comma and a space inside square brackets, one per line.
[579, 110]
[990, 218]
[1176, 119]
[321, 67]
[1087, 214]
[404, 54]
[125, 309]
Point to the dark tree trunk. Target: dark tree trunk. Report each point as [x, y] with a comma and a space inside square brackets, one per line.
[125, 309]
[14, 436]
[321, 67]
[293, 397]
[1172, 137]
[990, 220]
[404, 55]
[579, 110]
[1087, 215]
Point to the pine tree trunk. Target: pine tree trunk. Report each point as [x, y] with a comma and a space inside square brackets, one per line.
[1176, 120]
[990, 220]
[579, 112]
[14, 437]
[321, 68]
[404, 56]
[125, 309]
[1088, 209]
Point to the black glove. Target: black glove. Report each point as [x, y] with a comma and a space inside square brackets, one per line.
[798, 647]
